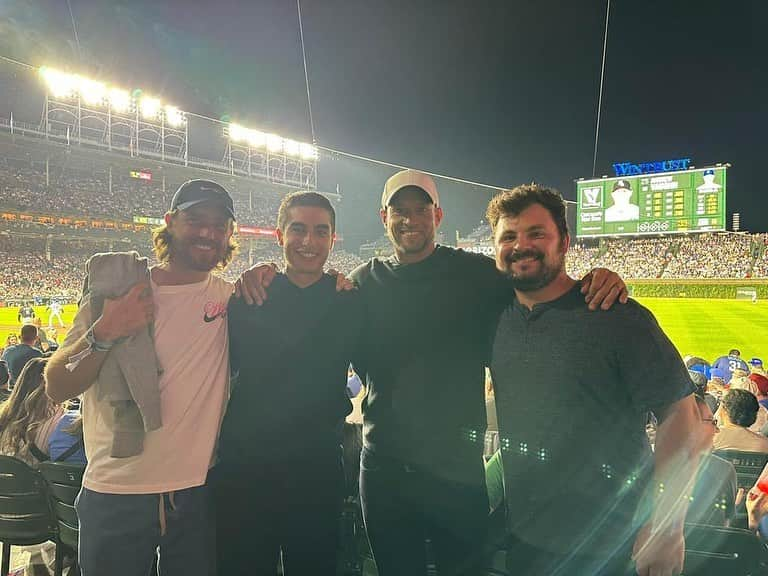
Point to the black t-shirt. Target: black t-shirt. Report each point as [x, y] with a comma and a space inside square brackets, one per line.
[573, 389]
[292, 355]
[426, 341]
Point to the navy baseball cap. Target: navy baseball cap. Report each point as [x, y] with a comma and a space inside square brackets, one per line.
[756, 362]
[708, 171]
[194, 192]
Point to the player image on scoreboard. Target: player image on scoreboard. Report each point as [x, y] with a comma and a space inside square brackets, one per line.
[622, 209]
[709, 185]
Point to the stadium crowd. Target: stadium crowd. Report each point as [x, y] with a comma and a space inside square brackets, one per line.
[91, 193]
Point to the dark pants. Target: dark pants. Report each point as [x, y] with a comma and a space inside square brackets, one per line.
[523, 559]
[293, 507]
[120, 533]
[404, 507]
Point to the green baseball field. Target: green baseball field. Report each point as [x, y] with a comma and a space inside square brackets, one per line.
[702, 327]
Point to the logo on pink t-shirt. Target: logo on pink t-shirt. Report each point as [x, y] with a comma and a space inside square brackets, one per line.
[214, 310]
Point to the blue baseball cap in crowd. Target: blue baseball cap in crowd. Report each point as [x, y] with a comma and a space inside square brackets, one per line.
[704, 369]
[756, 362]
[717, 373]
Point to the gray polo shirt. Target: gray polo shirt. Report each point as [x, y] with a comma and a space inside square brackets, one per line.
[573, 390]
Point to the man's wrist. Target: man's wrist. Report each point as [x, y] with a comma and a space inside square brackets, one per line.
[100, 335]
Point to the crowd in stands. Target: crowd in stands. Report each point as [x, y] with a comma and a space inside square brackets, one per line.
[92, 193]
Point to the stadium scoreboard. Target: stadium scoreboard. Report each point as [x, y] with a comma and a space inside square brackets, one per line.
[661, 203]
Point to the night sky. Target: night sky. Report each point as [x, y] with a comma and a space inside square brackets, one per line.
[500, 92]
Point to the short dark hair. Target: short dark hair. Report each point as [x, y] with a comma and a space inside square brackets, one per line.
[513, 202]
[28, 332]
[304, 199]
[741, 407]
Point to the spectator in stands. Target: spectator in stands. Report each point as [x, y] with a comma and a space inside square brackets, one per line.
[4, 378]
[727, 364]
[740, 381]
[278, 455]
[147, 489]
[581, 460]
[714, 494]
[700, 372]
[737, 413]
[66, 441]
[17, 356]
[29, 416]
[42, 343]
[761, 383]
[12, 340]
[756, 366]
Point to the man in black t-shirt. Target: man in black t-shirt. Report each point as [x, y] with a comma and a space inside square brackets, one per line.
[573, 391]
[429, 317]
[278, 483]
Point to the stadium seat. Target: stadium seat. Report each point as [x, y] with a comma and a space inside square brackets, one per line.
[64, 482]
[25, 513]
[749, 465]
[714, 551]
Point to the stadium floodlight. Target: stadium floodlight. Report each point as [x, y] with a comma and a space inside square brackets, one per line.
[274, 143]
[91, 92]
[291, 147]
[173, 116]
[150, 107]
[60, 84]
[307, 151]
[119, 100]
[257, 139]
[238, 133]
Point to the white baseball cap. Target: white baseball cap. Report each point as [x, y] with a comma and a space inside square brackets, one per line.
[405, 178]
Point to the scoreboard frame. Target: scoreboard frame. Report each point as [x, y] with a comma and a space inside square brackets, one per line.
[652, 204]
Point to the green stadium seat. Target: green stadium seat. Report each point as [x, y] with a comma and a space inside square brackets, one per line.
[26, 517]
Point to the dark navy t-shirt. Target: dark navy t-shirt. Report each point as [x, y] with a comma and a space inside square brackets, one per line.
[573, 391]
[425, 345]
[16, 357]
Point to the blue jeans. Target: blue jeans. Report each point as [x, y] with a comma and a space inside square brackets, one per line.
[121, 533]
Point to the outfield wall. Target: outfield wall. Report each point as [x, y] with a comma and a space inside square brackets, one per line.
[710, 288]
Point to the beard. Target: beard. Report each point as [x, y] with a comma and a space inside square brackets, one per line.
[533, 280]
[193, 259]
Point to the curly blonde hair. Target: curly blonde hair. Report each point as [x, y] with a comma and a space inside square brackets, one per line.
[162, 245]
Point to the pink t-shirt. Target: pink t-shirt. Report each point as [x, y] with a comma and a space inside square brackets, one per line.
[193, 351]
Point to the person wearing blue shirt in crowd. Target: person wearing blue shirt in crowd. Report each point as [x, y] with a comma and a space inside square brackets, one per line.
[66, 441]
[727, 364]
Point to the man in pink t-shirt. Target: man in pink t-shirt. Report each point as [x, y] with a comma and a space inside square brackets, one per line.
[145, 486]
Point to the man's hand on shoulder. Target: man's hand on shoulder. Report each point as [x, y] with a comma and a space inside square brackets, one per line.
[602, 288]
[253, 283]
[343, 284]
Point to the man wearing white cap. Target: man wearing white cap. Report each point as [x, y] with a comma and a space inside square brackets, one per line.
[430, 314]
